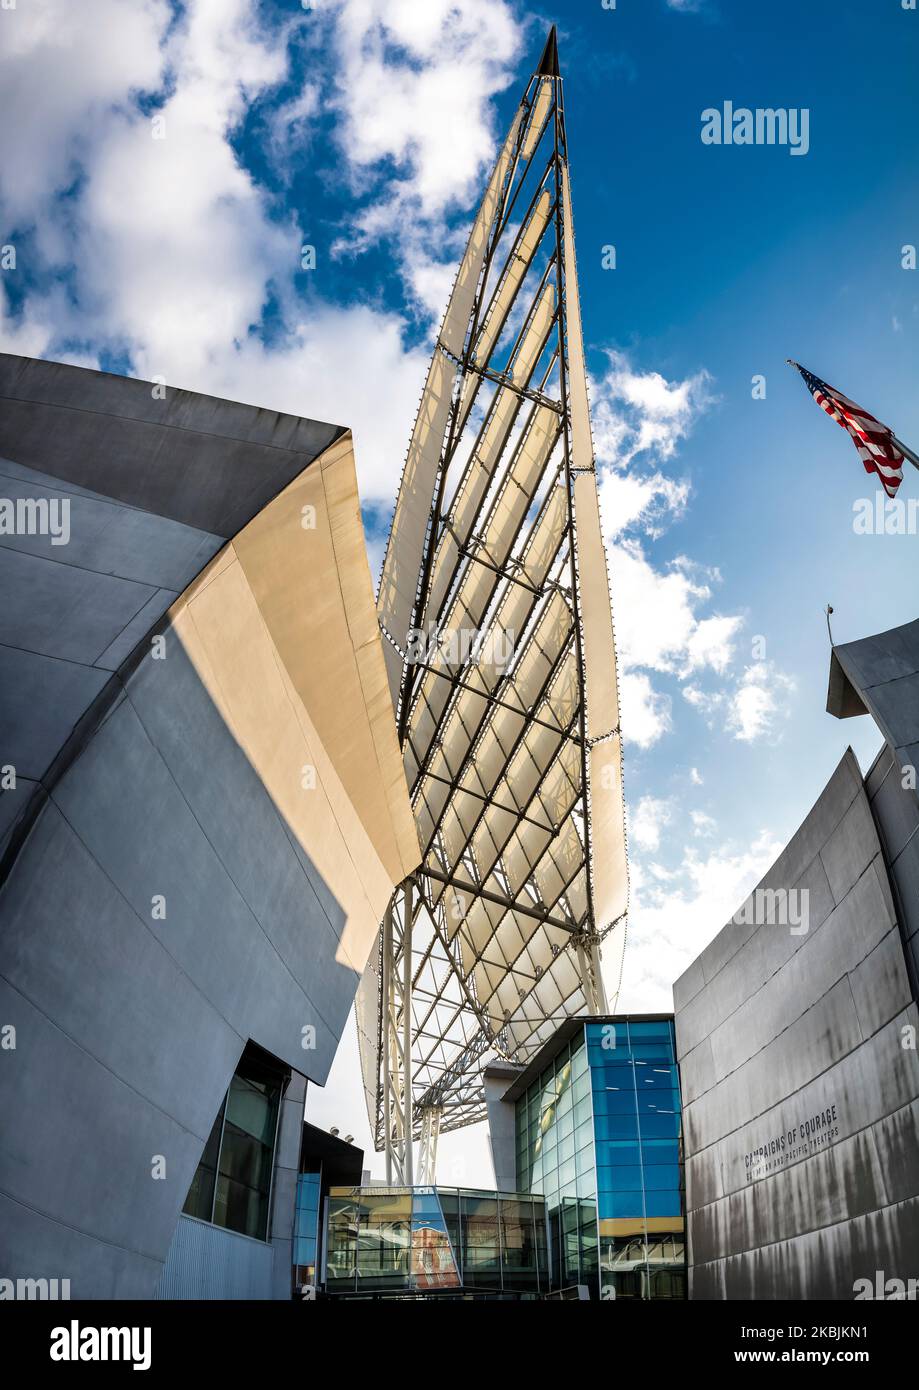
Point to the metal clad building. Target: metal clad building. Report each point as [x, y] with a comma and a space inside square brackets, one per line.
[796, 1033]
[208, 819]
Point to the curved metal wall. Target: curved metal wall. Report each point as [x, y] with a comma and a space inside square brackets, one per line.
[800, 1093]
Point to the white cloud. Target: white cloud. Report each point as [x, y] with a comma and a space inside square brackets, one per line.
[646, 712]
[171, 246]
[695, 776]
[64, 70]
[635, 412]
[758, 701]
[674, 915]
[751, 706]
[657, 622]
[646, 821]
[652, 499]
[413, 88]
[703, 824]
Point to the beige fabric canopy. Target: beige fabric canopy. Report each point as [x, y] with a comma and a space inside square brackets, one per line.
[501, 657]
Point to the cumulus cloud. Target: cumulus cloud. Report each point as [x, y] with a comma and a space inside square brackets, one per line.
[646, 821]
[658, 625]
[647, 714]
[676, 913]
[168, 255]
[750, 707]
[635, 412]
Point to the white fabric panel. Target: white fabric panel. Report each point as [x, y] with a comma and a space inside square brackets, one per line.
[534, 339]
[483, 463]
[596, 611]
[582, 453]
[513, 500]
[518, 264]
[538, 117]
[405, 548]
[607, 828]
[459, 310]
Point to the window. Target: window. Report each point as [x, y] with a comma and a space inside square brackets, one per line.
[232, 1184]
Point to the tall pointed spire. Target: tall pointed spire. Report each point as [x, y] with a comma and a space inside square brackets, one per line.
[548, 63]
[495, 604]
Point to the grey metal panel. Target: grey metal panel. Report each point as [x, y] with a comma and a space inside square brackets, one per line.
[768, 950]
[63, 611]
[41, 700]
[820, 1264]
[265, 974]
[37, 1246]
[68, 933]
[51, 1159]
[133, 632]
[206, 462]
[851, 847]
[781, 1033]
[688, 984]
[212, 1263]
[268, 863]
[111, 538]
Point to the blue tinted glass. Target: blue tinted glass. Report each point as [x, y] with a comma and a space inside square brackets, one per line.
[662, 1175]
[619, 1153]
[616, 1127]
[657, 1078]
[663, 1203]
[612, 1205]
[666, 1102]
[619, 1179]
[654, 1151]
[659, 1126]
[614, 1102]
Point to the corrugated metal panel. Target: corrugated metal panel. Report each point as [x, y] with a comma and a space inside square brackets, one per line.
[209, 1262]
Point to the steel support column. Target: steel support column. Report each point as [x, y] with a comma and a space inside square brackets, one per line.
[396, 1005]
[431, 1117]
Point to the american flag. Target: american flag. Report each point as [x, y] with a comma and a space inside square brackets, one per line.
[879, 451]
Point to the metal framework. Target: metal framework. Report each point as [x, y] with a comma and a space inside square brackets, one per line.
[494, 603]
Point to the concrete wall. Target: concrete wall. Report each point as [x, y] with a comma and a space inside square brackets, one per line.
[177, 889]
[502, 1130]
[774, 1029]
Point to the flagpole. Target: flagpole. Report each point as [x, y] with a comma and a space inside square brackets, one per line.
[907, 453]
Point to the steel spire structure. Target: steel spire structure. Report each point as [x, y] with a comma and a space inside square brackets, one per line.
[495, 608]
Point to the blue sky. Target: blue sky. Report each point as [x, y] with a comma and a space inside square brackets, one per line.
[365, 128]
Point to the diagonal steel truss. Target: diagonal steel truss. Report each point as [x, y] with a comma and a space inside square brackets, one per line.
[496, 938]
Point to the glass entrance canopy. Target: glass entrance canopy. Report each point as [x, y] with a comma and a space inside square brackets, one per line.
[434, 1240]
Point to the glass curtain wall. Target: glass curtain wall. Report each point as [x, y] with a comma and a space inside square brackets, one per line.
[598, 1135]
[306, 1229]
[636, 1104]
[555, 1157]
[426, 1239]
